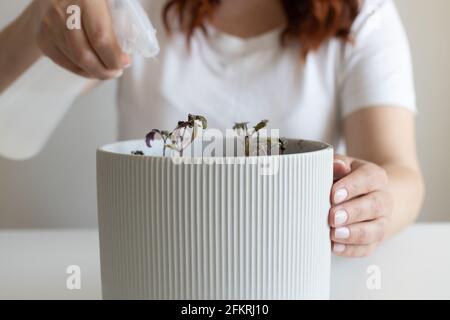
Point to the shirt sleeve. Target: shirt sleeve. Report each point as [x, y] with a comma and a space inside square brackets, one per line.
[377, 68]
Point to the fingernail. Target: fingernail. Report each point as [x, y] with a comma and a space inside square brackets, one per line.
[338, 248]
[127, 66]
[340, 217]
[340, 196]
[342, 233]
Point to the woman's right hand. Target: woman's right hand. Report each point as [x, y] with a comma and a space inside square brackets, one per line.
[92, 51]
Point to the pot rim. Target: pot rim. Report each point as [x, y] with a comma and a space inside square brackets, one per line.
[322, 146]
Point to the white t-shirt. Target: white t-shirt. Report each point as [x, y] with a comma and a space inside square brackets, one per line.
[229, 79]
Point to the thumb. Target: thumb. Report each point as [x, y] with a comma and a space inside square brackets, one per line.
[342, 166]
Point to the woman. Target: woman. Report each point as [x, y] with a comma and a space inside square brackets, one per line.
[337, 71]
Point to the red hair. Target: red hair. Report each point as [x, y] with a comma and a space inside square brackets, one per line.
[309, 22]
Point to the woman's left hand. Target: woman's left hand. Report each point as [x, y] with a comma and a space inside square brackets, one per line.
[361, 207]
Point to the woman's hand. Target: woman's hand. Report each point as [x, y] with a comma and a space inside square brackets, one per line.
[361, 207]
[92, 51]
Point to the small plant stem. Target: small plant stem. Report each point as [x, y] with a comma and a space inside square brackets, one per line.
[164, 147]
[247, 146]
[257, 144]
[181, 140]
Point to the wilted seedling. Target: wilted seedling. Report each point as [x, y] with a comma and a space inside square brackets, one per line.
[281, 143]
[165, 136]
[243, 131]
[187, 131]
[181, 137]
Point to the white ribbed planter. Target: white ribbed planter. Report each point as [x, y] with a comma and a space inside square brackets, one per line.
[214, 231]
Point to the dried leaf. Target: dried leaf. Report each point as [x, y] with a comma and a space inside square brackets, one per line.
[151, 137]
[261, 125]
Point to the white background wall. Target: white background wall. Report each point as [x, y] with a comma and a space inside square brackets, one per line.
[428, 28]
[57, 188]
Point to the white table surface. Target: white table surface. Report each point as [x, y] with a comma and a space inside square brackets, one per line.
[414, 265]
